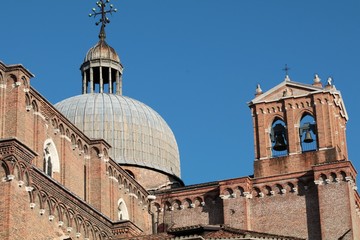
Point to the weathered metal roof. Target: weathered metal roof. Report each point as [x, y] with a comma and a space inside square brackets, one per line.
[102, 51]
[138, 135]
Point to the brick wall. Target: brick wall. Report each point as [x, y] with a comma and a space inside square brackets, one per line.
[88, 175]
[335, 211]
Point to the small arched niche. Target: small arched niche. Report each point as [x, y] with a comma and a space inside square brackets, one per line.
[308, 133]
[51, 162]
[278, 137]
[123, 213]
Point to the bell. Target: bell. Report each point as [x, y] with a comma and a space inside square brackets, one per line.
[308, 137]
[280, 144]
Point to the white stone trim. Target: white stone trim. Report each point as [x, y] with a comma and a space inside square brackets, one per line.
[40, 115]
[224, 196]
[42, 211]
[20, 183]
[248, 195]
[65, 137]
[133, 195]
[318, 182]
[10, 177]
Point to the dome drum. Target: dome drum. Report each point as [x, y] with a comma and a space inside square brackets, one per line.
[97, 79]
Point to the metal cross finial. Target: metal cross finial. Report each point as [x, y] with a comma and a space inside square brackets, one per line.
[286, 69]
[102, 11]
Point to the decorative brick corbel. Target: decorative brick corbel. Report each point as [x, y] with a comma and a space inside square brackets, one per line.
[318, 182]
[20, 183]
[248, 195]
[10, 177]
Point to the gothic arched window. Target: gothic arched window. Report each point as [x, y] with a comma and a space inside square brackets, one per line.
[278, 136]
[122, 210]
[51, 158]
[307, 133]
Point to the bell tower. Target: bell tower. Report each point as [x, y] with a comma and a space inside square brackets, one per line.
[297, 126]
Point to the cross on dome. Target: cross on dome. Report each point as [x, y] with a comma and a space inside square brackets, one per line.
[103, 12]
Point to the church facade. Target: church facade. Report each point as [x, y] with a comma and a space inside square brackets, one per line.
[104, 166]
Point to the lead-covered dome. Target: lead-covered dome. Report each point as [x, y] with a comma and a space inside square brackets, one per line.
[138, 135]
[140, 139]
[102, 51]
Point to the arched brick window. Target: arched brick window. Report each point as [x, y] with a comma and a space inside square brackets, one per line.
[308, 133]
[278, 136]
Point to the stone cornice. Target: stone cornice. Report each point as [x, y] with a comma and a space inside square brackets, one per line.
[12, 146]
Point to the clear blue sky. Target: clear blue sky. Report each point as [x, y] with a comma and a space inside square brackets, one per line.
[196, 62]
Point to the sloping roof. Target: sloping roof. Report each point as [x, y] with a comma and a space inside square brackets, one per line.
[274, 93]
[212, 232]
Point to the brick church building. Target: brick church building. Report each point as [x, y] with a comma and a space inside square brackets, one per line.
[101, 165]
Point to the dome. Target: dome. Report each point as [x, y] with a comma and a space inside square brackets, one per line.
[102, 51]
[138, 135]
